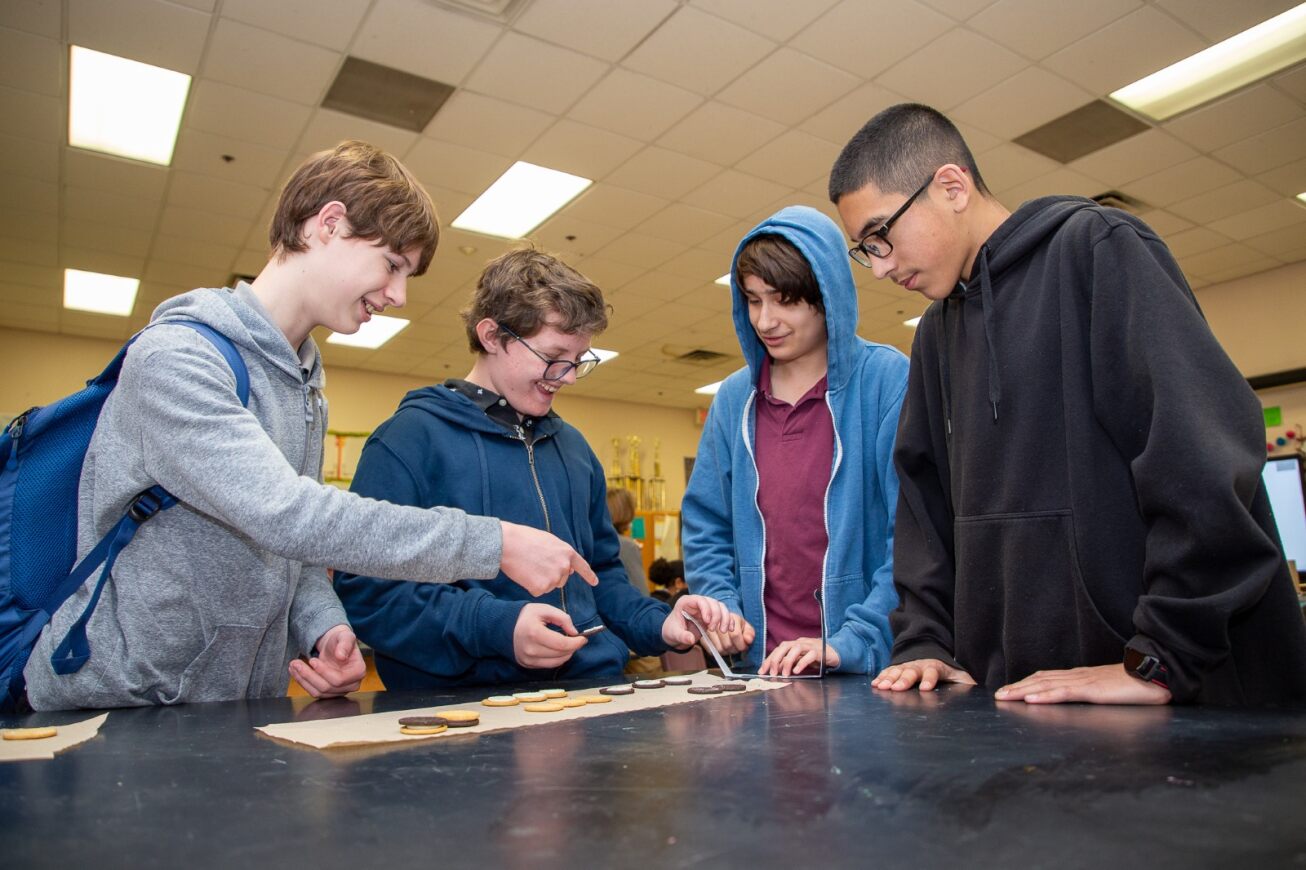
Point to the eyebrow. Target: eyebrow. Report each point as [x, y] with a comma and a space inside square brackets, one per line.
[867, 228]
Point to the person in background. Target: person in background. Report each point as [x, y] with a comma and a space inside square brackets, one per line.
[668, 579]
[621, 505]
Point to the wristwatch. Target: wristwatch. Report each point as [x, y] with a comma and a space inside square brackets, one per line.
[1146, 667]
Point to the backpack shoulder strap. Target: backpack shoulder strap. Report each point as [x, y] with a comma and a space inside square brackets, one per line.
[228, 351]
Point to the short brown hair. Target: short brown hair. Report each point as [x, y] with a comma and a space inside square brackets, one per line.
[621, 506]
[383, 201]
[521, 288]
[776, 261]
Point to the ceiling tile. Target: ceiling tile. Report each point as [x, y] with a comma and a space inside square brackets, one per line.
[105, 237]
[794, 158]
[930, 74]
[41, 17]
[719, 133]
[581, 150]
[1283, 242]
[1022, 103]
[152, 32]
[421, 38]
[901, 29]
[1217, 20]
[206, 153]
[1060, 182]
[1236, 117]
[1010, 165]
[26, 225]
[565, 234]
[1129, 48]
[1279, 214]
[774, 19]
[462, 169]
[1292, 82]
[477, 121]
[634, 105]
[698, 51]
[698, 265]
[606, 29]
[31, 63]
[1164, 223]
[108, 262]
[608, 274]
[958, 10]
[684, 223]
[1289, 179]
[614, 206]
[1222, 258]
[1181, 181]
[29, 158]
[787, 87]
[736, 194]
[1223, 202]
[839, 121]
[268, 63]
[1195, 241]
[33, 116]
[189, 190]
[85, 204]
[23, 250]
[659, 172]
[204, 225]
[113, 174]
[1031, 28]
[510, 71]
[251, 117]
[635, 249]
[327, 129]
[1269, 150]
[329, 23]
[1148, 152]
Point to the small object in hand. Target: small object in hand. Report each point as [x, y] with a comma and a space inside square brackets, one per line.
[423, 731]
[423, 721]
[677, 681]
[618, 690]
[500, 701]
[543, 708]
[461, 718]
[29, 733]
[553, 693]
[596, 699]
[530, 697]
[733, 687]
[704, 690]
[593, 630]
[649, 684]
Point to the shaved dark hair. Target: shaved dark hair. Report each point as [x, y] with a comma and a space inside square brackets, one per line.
[898, 150]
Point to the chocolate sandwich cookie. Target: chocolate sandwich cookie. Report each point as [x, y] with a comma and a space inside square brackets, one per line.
[677, 681]
[461, 718]
[704, 690]
[618, 690]
[733, 687]
[423, 721]
[649, 684]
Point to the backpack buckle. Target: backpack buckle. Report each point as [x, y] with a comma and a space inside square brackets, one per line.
[143, 506]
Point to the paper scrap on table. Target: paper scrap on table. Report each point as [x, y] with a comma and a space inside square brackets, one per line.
[375, 728]
[36, 750]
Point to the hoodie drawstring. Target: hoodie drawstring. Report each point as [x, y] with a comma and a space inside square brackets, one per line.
[986, 302]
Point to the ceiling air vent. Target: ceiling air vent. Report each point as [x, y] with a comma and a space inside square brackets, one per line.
[697, 356]
[1089, 128]
[379, 93]
[1122, 201]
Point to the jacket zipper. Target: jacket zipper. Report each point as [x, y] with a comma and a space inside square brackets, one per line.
[539, 491]
[825, 560]
[757, 486]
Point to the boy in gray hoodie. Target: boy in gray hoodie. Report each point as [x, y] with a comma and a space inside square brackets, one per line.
[217, 598]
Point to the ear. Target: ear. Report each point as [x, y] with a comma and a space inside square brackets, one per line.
[488, 333]
[958, 186]
[329, 221]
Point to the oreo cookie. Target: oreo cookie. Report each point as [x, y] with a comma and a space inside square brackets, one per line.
[618, 690]
[704, 690]
[649, 684]
[677, 681]
[423, 721]
[732, 687]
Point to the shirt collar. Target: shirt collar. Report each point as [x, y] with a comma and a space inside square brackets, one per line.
[496, 407]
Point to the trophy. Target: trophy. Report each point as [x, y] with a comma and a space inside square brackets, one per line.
[657, 485]
[615, 476]
[634, 482]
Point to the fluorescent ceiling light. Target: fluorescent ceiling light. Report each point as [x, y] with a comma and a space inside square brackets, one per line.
[724, 280]
[604, 355]
[1301, 198]
[102, 294]
[523, 198]
[709, 390]
[913, 323]
[123, 107]
[372, 334]
[1240, 60]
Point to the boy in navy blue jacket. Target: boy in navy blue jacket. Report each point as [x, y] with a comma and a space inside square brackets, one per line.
[492, 441]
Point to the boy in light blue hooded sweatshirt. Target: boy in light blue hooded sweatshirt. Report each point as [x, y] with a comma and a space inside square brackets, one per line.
[789, 512]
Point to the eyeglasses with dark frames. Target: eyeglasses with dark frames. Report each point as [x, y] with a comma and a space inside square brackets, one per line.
[557, 369]
[876, 245]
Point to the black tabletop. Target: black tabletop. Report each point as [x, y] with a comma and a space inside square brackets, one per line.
[820, 773]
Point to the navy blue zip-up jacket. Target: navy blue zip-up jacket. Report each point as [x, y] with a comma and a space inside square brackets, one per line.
[441, 449]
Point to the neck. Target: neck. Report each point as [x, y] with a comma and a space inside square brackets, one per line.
[277, 290]
[480, 376]
[989, 214]
[792, 378]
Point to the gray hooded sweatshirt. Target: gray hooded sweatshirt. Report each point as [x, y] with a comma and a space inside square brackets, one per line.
[214, 597]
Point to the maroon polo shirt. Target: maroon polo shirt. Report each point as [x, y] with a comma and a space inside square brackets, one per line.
[795, 455]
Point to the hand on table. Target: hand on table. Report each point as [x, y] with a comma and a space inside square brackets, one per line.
[535, 645]
[928, 673]
[793, 656]
[338, 667]
[539, 562]
[1103, 684]
[710, 613]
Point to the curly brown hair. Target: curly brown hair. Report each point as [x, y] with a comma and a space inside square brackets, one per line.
[521, 288]
[384, 202]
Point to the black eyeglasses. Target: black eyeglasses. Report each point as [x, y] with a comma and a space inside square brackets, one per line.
[557, 369]
[876, 244]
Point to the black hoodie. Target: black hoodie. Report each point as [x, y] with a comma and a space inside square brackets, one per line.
[1079, 467]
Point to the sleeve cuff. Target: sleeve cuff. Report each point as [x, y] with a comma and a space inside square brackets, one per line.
[495, 622]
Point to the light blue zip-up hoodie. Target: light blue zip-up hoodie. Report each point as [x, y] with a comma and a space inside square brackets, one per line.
[724, 531]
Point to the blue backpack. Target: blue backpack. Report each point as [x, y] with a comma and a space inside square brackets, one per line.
[41, 455]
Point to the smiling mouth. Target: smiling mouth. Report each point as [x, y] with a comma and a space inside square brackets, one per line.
[548, 389]
[370, 308]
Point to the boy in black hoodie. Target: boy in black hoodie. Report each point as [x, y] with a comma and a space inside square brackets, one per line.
[1081, 515]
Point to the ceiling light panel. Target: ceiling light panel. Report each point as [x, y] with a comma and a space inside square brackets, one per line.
[123, 107]
[520, 200]
[99, 293]
[372, 334]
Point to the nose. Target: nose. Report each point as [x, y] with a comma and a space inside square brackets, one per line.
[397, 293]
[569, 377]
[882, 266]
[766, 316]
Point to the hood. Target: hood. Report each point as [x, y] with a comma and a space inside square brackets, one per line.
[822, 245]
[459, 410]
[239, 316]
